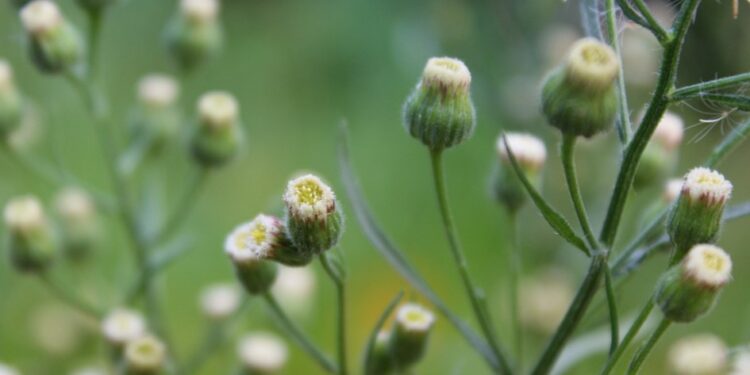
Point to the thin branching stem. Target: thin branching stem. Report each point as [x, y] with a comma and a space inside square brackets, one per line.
[458, 256]
[340, 283]
[69, 297]
[631, 13]
[644, 351]
[697, 89]
[653, 24]
[614, 320]
[183, 207]
[629, 336]
[567, 151]
[298, 336]
[656, 109]
[729, 144]
[514, 274]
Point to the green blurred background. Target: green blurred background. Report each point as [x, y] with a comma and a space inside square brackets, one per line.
[299, 68]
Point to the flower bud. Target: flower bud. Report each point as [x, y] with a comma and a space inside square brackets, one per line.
[702, 354]
[195, 33]
[696, 215]
[79, 222]
[672, 190]
[313, 220]
[249, 246]
[31, 240]
[741, 363]
[7, 370]
[11, 104]
[579, 98]
[381, 359]
[157, 118]
[122, 326]
[410, 333]
[145, 355]
[688, 290]
[439, 112]
[660, 156]
[294, 289]
[530, 153]
[262, 353]
[218, 135]
[55, 45]
[220, 301]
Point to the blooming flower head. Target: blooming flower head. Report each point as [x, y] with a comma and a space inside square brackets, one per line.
[412, 317]
[41, 17]
[592, 64]
[158, 90]
[528, 150]
[121, 326]
[219, 301]
[145, 354]
[702, 354]
[708, 266]
[309, 198]
[709, 186]
[255, 240]
[262, 353]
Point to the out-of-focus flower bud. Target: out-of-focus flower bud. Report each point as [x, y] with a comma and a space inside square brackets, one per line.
[409, 337]
[7, 370]
[220, 301]
[689, 290]
[439, 112]
[702, 354]
[579, 98]
[381, 360]
[57, 329]
[544, 300]
[55, 45]
[249, 246]
[660, 156]
[11, 104]
[145, 355]
[122, 326]
[156, 119]
[314, 221]
[79, 222]
[31, 240]
[741, 363]
[195, 33]
[696, 215]
[530, 153]
[262, 353]
[672, 190]
[218, 134]
[294, 289]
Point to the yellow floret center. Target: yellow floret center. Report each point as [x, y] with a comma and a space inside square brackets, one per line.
[308, 192]
[448, 64]
[714, 262]
[415, 316]
[258, 233]
[595, 55]
[709, 179]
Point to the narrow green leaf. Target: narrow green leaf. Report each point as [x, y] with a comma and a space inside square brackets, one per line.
[554, 219]
[393, 255]
[367, 365]
[740, 102]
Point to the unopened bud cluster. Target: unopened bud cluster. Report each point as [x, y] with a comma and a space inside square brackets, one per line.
[313, 224]
[79, 223]
[156, 119]
[405, 344]
[530, 154]
[31, 241]
[261, 353]
[439, 112]
[218, 135]
[11, 105]
[579, 97]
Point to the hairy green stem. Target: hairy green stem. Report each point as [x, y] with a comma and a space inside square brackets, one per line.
[575, 314]
[653, 24]
[730, 142]
[629, 336]
[656, 108]
[624, 127]
[298, 336]
[697, 89]
[458, 257]
[644, 351]
[340, 283]
[614, 320]
[567, 151]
